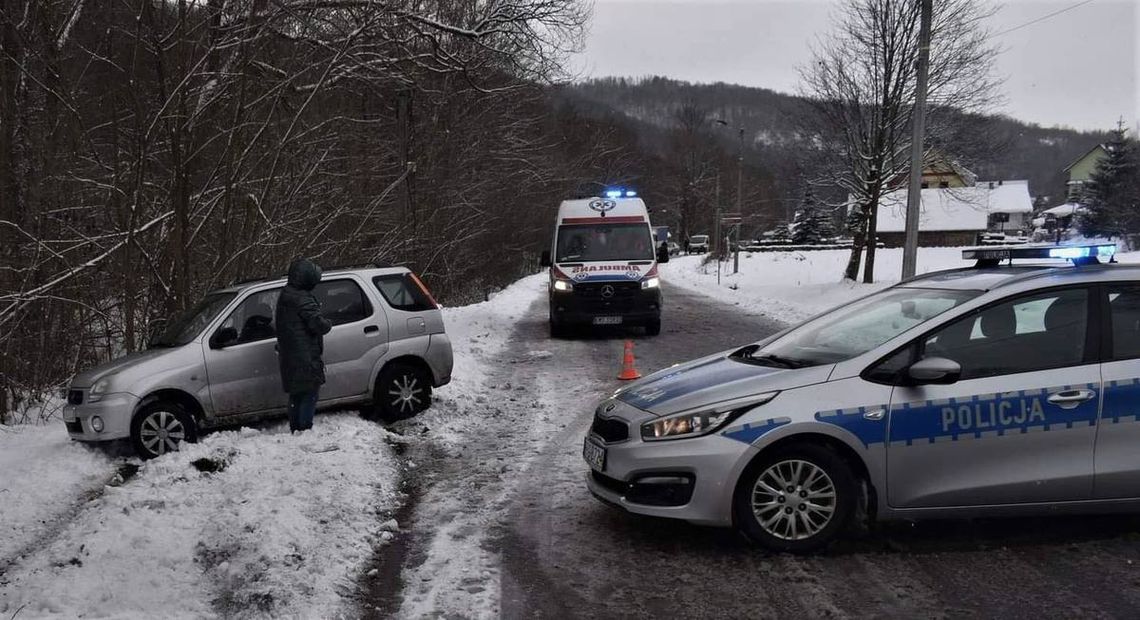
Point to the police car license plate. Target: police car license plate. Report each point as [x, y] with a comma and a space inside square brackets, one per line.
[595, 455]
[607, 320]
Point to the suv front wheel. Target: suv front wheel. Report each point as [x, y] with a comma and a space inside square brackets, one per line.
[796, 499]
[161, 427]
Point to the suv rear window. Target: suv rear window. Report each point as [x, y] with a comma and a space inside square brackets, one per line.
[403, 291]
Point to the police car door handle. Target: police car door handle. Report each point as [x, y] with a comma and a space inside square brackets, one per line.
[1069, 399]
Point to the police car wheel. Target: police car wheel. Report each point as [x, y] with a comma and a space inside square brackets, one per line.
[161, 427]
[796, 499]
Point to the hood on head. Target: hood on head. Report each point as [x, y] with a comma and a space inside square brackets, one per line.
[304, 274]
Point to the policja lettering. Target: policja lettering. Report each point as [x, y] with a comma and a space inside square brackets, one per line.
[992, 414]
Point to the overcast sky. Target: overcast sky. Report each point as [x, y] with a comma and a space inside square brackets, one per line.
[1077, 69]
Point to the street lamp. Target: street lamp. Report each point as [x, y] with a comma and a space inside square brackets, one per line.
[739, 194]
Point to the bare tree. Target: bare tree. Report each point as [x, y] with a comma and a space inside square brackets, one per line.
[861, 86]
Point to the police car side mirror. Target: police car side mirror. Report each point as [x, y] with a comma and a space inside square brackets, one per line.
[934, 371]
[545, 260]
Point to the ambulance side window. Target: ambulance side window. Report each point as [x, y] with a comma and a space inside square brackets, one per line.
[1034, 332]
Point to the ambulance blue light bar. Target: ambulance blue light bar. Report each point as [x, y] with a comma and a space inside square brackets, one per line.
[618, 193]
[1076, 253]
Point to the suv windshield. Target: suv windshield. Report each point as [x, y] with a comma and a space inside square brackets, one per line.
[593, 242]
[191, 323]
[854, 329]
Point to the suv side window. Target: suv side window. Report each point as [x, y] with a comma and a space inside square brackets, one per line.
[253, 318]
[1124, 304]
[342, 301]
[1035, 332]
[403, 292]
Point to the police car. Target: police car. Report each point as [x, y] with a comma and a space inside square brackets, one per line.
[998, 389]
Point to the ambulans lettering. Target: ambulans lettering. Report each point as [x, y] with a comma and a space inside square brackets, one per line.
[592, 268]
[994, 414]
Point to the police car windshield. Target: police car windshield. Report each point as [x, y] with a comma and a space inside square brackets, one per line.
[594, 242]
[854, 329]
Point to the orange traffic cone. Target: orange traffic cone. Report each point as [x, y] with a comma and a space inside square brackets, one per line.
[628, 372]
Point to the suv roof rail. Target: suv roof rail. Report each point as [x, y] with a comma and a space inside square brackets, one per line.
[367, 265]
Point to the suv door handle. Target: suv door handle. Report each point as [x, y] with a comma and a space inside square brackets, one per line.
[1069, 399]
[371, 329]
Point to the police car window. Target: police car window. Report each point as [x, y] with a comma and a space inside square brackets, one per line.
[253, 318]
[342, 301]
[856, 328]
[1124, 303]
[594, 242]
[1032, 333]
[402, 293]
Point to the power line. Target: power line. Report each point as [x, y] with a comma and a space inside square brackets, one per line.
[1043, 18]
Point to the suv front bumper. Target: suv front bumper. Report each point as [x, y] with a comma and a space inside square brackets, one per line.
[114, 410]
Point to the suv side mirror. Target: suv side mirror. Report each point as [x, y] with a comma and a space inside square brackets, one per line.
[663, 253]
[545, 260]
[223, 338]
[934, 371]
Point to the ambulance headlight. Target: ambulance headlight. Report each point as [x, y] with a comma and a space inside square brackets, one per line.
[653, 282]
[702, 421]
[563, 286]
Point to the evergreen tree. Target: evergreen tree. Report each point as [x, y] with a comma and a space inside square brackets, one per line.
[812, 224]
[1110, 197]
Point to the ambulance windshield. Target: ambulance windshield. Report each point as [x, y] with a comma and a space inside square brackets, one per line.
[604, 242]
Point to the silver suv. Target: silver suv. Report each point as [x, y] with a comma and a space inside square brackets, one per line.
[216, 365]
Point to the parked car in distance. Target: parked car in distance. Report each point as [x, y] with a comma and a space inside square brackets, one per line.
[216, 364]
[698, 244]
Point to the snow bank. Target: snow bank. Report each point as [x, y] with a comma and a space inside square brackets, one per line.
[43, 478]
[282, 528]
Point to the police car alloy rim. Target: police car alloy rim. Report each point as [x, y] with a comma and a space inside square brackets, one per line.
[793, 500]
[406, 393]
[161, 432]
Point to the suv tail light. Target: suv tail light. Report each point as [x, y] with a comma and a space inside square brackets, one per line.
[424, 289]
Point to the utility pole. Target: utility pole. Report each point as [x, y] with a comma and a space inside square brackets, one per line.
[739, 199]
[716, 230]
[914, 195]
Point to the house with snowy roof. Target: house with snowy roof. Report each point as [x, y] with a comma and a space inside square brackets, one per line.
[954, 216]
[1081, 170]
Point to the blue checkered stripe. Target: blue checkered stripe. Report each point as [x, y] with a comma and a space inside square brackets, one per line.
[986, 416]
[1121, 401]
[870, 432]
[749, 433]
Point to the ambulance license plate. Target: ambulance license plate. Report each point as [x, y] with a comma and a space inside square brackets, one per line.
[595, 455]
[607, 320]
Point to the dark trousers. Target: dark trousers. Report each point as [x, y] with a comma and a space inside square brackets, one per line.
[302, 406]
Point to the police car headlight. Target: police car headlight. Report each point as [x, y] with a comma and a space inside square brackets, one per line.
[701, 422]
[563, 286]
[653, 282]
[95, 394]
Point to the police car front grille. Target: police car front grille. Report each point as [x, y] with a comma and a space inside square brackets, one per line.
[610, 430]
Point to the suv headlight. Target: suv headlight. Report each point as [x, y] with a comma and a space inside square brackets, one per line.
[98, 390]
[701, 422]
[653, 282]
[563, 286]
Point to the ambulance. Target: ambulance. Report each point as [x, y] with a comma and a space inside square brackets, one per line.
[603, 265]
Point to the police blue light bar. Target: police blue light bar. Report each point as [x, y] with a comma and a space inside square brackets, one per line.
[995, 254]
[613, 193]
[629, 193]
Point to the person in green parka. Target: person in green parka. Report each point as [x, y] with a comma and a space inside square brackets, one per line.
[300, 342]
